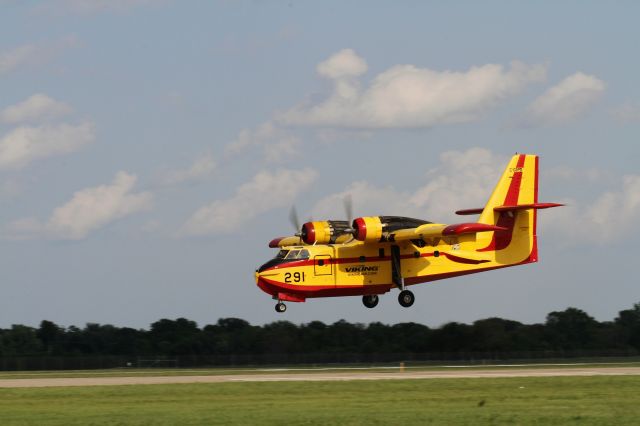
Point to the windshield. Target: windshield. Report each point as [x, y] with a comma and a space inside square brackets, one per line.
[282, 254]
[297, 255]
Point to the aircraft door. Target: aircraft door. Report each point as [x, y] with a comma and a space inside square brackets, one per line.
[322, 265]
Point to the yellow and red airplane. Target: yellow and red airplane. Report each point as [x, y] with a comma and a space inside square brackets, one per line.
[372, 255]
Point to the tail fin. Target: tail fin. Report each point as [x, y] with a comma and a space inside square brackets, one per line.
[513, 205]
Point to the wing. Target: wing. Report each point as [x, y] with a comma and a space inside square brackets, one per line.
[431, 230]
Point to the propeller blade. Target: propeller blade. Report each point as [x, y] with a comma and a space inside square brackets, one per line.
[348, 207]
[348, 210]
[293, 218]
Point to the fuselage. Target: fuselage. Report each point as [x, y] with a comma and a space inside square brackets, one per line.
[355, 268]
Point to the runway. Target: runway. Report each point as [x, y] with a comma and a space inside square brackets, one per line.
[325, 376]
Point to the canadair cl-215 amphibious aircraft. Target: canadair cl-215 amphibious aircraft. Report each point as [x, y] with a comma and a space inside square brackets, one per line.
[372, 255]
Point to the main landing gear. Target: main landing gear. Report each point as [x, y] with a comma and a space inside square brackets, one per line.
[281, 307]
[370, 300]
[406, 298]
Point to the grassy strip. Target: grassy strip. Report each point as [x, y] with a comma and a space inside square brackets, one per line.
[521, 401]
[288, 370]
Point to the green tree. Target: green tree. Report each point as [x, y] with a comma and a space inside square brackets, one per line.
[571, 329]
[50, 335]
[627, 326]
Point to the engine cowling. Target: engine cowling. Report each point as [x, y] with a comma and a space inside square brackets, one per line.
[323, 232]
[368, 229]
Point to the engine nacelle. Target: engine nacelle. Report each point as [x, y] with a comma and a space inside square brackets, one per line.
[324, 232]
[368, 229]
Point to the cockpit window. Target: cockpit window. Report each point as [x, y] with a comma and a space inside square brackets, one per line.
[293, 254]
[298, 255]
[304, 254]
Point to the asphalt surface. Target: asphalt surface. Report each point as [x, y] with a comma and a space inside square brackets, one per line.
[323, 376]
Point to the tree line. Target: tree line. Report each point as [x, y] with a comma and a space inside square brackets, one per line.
[568, 330]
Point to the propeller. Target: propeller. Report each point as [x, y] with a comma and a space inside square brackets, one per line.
[347, 202]
[348, 207]
[295, 221]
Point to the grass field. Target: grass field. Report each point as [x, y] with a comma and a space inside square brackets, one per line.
[611, 400]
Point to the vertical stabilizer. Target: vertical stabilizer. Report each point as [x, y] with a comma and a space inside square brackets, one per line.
[507, 207]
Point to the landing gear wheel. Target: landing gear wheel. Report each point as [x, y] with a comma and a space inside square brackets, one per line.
[281, 307]
[406, 298]
[370, 300]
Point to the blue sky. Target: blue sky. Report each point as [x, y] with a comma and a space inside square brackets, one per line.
[150, 150]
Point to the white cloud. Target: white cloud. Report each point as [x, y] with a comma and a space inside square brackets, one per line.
[461, 180]
[32, 54]
[566, 101]
[277, 144]
[565, 173]
[368, 200]
[248, 138]
[283, 149]
[406, 96]
[610, 216]
[38, 106]
[88, 210]
[266, 191]
[345, 63]
[201, 168]
[17, 57]
[24, 145]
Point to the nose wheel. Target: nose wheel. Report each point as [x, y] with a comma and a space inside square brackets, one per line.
[370, 300]
[281, 307]
[406, 298]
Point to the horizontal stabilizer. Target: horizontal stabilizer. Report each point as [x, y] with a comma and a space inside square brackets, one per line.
[536, 206]
[466, 212]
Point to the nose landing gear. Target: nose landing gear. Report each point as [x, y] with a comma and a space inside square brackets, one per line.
[281, 307]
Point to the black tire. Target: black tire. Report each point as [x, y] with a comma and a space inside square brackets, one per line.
[370, 300]
[406, 298]
[281, 307]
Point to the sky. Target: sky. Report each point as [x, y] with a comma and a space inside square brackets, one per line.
[150, 150]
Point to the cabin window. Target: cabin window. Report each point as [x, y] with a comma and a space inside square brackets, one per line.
[282, 254]
[362, 259]
[381, 252]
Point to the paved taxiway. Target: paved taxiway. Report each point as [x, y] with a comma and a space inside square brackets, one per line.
[324, 376]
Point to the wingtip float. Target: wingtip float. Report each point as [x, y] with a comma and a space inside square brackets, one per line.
[370, 256]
